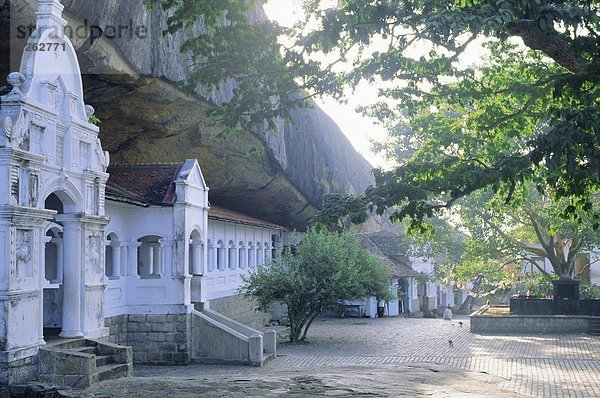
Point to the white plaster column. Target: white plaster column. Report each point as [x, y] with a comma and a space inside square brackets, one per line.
[45, 280]
[211, 258]
[166, 252]
[150, 251]
[260, 261]
[132, 259]
[449, 295]
[116, 259]
[242, 254]
[72, 280]
[197, 254]
[232, 257]
[59, 259]
[155, 260]
[221, 265]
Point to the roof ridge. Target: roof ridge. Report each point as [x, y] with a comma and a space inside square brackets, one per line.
[146, 164]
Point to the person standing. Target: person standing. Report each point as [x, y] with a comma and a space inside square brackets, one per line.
[380, 308]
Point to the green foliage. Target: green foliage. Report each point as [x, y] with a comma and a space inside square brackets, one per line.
[529, 113]
[327, 268]
[589, 291]
[95, 120]
[340, 210]
[538, 285]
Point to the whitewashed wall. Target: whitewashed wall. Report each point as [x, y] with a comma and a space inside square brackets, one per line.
[236, 242]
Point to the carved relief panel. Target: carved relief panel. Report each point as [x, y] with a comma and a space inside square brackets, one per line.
[24, 253]
[93, 254]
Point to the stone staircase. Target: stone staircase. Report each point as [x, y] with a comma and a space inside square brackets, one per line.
[80, 363]
[219, 339]
[595, 326]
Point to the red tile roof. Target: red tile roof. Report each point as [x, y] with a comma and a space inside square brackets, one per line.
[153, 184]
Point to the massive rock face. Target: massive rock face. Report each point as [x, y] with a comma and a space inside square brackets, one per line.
[131, 82]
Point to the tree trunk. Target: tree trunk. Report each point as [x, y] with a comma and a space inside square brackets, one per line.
[310, 321]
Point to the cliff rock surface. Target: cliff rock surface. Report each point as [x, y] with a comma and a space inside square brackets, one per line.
[132, 83]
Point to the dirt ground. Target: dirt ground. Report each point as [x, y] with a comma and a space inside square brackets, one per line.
[419, 380]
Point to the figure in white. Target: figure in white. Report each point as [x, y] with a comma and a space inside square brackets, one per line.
[448, 314]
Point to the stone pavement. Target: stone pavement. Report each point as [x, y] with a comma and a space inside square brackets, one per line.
[400, 357]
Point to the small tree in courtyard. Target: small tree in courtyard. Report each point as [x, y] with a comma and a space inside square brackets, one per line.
[327, 268]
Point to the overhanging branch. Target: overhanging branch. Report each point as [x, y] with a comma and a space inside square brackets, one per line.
[550, 42]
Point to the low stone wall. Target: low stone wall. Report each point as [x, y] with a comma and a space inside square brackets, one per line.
[155, 339]
[66, 368]
[529, 324]
[242, 310]
[537, 306]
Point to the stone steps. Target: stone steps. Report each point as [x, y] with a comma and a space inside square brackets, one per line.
[80, 363]
[110, 372]
[102, 360]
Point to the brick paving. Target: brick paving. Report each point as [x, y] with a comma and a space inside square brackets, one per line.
[530, 365]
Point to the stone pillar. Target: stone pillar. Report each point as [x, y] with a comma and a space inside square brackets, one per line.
[197, 254]
[72, 278]
[116, 260]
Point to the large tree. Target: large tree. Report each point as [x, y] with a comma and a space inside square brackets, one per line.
[529, 230]
[531, 113]
[326, 268]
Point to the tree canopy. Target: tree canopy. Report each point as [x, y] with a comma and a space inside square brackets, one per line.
[499, 239]
[527, 114]
[327, 268]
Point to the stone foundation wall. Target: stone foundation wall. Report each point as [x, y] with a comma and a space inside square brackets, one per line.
[117, 327]
[528, 324]
[22, 370]
[242, 310]
[155, 339]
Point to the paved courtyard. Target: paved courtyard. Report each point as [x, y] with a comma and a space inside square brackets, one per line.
[392, 357]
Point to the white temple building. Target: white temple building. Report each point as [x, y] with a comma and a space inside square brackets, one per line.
[132, 255]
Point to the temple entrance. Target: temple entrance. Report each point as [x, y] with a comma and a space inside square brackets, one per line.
[52, 283]
[54, 261]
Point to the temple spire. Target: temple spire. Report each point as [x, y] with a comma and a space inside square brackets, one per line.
[49, 15]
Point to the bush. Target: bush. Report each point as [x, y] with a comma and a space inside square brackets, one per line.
[589, 291]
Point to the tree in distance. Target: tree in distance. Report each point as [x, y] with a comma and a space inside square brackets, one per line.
[326, 269]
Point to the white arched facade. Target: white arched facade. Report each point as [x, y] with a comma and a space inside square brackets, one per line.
[48, 149]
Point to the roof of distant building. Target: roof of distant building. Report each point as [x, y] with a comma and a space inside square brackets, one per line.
[153, 185]
[386, 247]
[222, 214]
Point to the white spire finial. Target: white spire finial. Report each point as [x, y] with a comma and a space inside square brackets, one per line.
[49, 15]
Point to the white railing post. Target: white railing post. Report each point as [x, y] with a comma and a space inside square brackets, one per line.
[270, 341]
[255, 347]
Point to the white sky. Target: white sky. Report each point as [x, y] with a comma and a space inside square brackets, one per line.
[357, 128]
